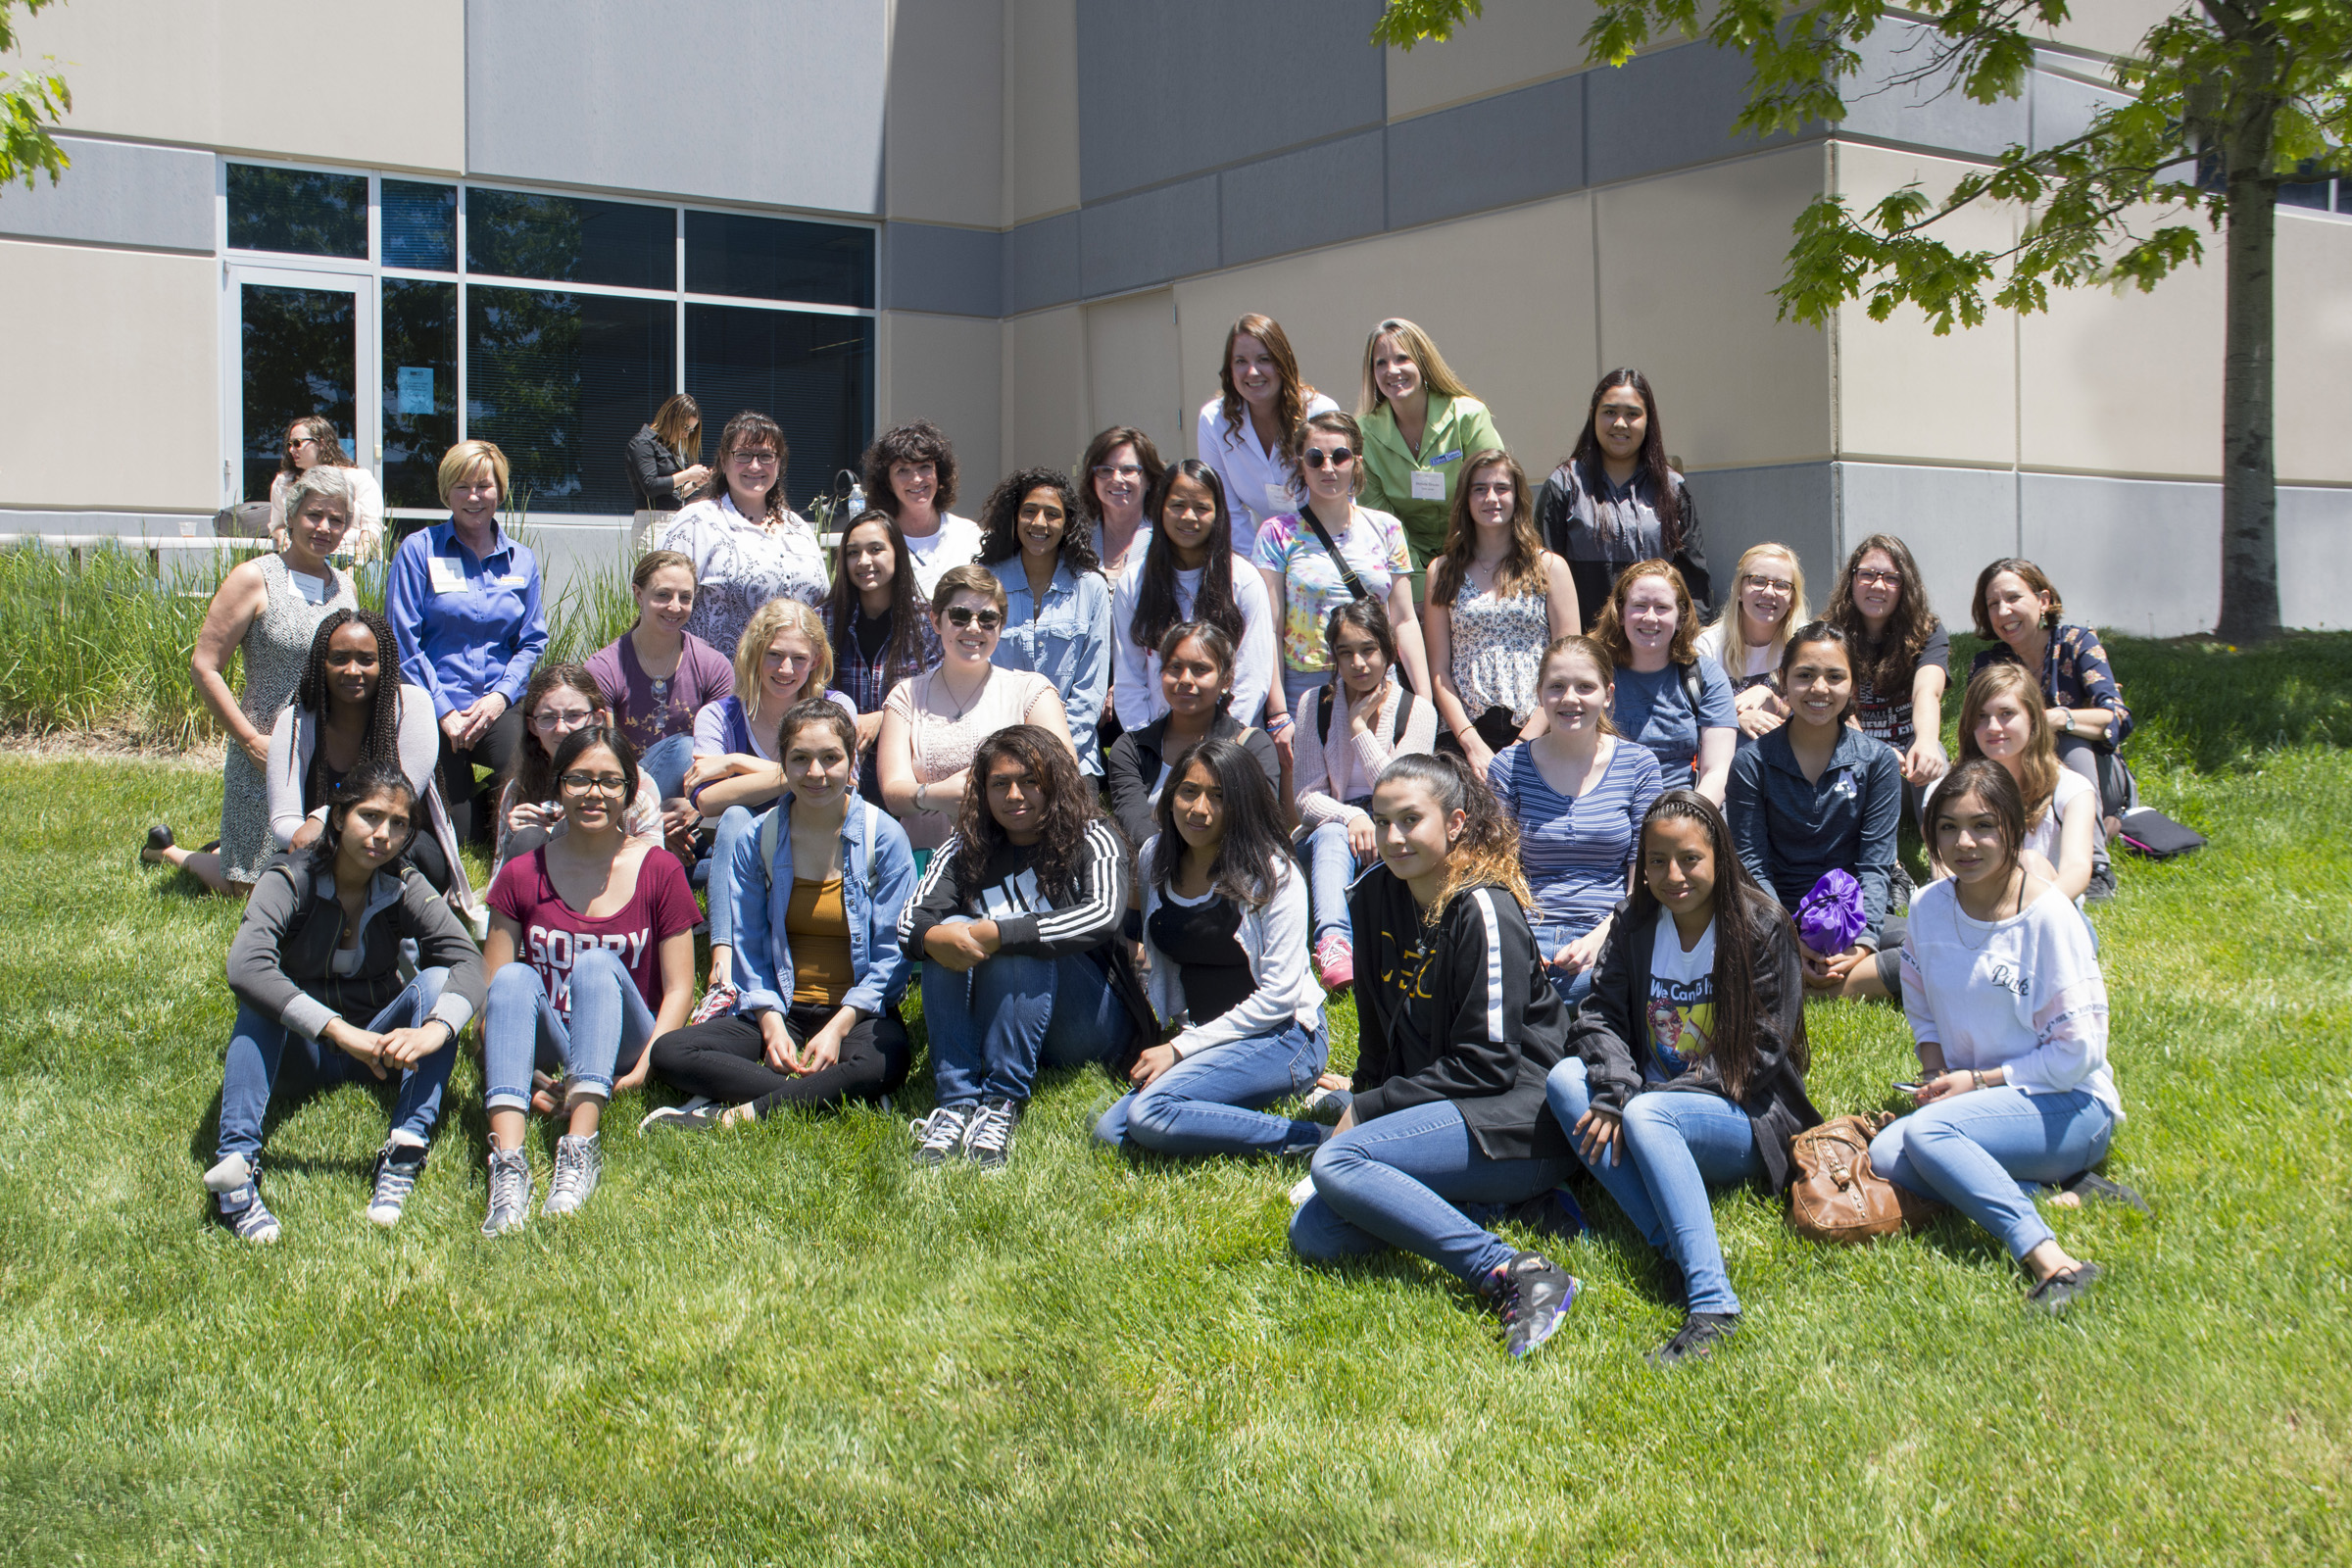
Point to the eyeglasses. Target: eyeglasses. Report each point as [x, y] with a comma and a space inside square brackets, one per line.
[599, 783]
[757, 458]
[1778, 585]
[1119, 470]
[1865, 576]
[1317, 456]
[547, 721]
[963, 615]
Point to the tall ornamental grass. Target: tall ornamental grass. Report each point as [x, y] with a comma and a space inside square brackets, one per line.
[102, 648]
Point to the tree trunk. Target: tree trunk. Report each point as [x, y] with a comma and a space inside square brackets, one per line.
[2249, 467]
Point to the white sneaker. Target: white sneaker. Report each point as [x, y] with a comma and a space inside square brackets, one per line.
[579, 1161]
[509, 1191]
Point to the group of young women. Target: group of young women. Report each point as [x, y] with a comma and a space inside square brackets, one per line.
[1133, 770]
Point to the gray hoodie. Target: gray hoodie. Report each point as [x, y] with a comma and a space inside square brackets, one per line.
[281, 964]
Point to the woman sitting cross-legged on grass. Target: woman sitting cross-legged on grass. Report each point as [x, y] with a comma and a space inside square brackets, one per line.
[816, 886]
[1225, 928]
[1816, 796]
[2005, 998]
[1688, 1063]
[1017, 923]
[590, 957]
[1460, 1028]
[315, 965]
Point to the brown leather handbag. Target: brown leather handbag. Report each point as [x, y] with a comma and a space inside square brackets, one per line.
[1837, 1197]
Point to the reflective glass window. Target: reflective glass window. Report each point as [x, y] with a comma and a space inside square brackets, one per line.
[779, 259]
[298, 210]
[561, 381]
[566, 239]
[420, 325]
[812, 374]
[420, 225]
[298, 355]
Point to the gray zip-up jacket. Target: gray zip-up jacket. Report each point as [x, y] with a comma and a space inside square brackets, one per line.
[281, 964]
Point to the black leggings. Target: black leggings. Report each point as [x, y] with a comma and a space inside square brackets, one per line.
[424, 853]
[468, 803]
[727, 1061]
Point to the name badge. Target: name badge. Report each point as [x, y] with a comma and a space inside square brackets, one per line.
[1455, 456]
[1278, 498]
[448, 576]
[515, 580]
[1427, 485]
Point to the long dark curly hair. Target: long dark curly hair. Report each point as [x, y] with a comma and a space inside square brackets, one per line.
[1744, 913]
[1156, 606]
[380, 737]
[1886, 662]
[1585, 459]
[1069, 806]
[1254, 854]
[1000, 519]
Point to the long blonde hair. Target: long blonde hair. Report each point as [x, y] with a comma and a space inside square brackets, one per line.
[2037, 768]
[1488, 851]
[769, 621]
[1436, 374]
[1733, 625]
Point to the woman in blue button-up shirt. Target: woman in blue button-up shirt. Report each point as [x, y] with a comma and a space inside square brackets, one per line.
[1058, 602]
[465, 605]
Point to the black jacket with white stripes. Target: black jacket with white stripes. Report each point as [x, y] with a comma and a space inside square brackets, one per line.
[1458, 1011]
[1029, 925]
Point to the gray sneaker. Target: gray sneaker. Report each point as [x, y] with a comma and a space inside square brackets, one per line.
[988, 1140]
[236, 1188]
[509, 1191]
[397, 1167]
[939, 1137]
[698, 1115]
[579, 1161]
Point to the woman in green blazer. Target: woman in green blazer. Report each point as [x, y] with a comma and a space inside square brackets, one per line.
[1419, 424]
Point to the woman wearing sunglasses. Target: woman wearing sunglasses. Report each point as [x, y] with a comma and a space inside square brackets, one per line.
[933, 724]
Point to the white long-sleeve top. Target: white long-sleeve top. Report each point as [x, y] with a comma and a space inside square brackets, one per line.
[1330, 775]
[1273, 935]
[1258, 484]
[2024, 993]
[1135, 693]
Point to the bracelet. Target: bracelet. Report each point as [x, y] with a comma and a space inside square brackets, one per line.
[1975, 1080]
[1278, 723]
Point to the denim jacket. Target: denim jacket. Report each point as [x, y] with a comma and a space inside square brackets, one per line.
[877, 878]
[1067, 639]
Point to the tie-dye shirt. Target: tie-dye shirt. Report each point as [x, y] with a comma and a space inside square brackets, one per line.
[1312, 587]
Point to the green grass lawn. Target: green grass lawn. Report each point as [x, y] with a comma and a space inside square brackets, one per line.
[785, 1345]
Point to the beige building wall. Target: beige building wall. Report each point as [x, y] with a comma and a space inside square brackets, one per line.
[947, 370]
[944, 146]
[1041, 94]
[1515, 43]
[214, 74]
[124, 339]
[1133, 370]
[2314, 303]
[1045, 404]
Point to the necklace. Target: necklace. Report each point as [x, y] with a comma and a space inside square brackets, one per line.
[1960, 932]
[966, 706]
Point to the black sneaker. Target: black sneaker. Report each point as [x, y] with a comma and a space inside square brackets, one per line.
[235, 1184]
[988, 1140]
[2063, 1289]
[2101, 887]
[1532, 1294]
[2091, 1184]
[939, 1137]
[1695, 1338]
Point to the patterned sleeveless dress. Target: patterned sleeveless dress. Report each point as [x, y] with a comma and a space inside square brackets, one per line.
[274, 648]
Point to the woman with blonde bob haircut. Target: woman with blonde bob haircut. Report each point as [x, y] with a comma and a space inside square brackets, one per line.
[1420, 423]
[1497, 600]
[1669, 697]
[1767, 602]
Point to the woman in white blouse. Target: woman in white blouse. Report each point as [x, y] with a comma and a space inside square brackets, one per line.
[747, 545]
[1245, 432]
[310, 444]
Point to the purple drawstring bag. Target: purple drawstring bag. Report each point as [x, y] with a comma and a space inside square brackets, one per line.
[1831, 916]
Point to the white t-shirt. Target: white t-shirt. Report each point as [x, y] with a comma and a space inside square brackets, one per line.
[1682, 999]
[1135, 693]
[956, 542]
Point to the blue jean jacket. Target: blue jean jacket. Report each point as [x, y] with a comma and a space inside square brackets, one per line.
[877, 878]
[1066, 640]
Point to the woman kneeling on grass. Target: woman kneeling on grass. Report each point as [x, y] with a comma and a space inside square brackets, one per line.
[1459, 1027]
[816, 887]
[317, 963]
[1225, 930]
[1017, 922]
[2004, 989]
[1689, 1054]
[590, 956]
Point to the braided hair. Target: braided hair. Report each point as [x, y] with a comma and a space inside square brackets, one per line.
[379, 740]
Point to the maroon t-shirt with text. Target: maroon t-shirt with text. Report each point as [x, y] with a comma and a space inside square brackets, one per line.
[659, 907]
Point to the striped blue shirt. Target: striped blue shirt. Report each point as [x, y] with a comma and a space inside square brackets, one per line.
[1575, 850]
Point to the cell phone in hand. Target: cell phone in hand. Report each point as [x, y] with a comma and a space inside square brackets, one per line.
[1912, 1089]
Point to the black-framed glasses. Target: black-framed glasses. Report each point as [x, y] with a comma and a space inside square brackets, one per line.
[1774, 583]
[1336, 456]
[963, 615]
[600, 783]
[1871, 577]
[547, 721]
[754, 456]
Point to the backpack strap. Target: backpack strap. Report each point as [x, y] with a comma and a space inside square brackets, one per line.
[1693, 687]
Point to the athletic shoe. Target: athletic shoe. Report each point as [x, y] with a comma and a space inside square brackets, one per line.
[988, 1139]
[397, 1167]
[236, 1188]
[1695, 1338]
[2063, 1289]
[939, 1137]
[1335, 962]
[158, 839]
[2091, 1184]
[699, 1114]
[1555, 1213]
[1532, 1294]
[1326, 1105]
[716, 1003]
[509, 1191]
[579, 1161]
[2101, 887]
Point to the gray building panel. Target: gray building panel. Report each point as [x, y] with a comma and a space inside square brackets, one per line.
[659, 104]
[1296, 201]
[1671, 109]
[119, 193]
[1169, 91]
[2140, 556]
[1041, 264]
[1954, 519]
[2063, 108]
[949, 271]
[1930, 111]
[1149, 238]
[1515, 147]
[1790, 503]
[2315, 558]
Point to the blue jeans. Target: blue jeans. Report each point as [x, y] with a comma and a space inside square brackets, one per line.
[611, 1026]
[1551, 937]
[1671, 1146]
[1986, 1151]
[719, 891]
[1208, 1105]
[994, 1025]
[1331, 868]
[665, 763]
[257, 1046]
[1396, 1180]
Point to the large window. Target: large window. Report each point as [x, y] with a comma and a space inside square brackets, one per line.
[552, 324]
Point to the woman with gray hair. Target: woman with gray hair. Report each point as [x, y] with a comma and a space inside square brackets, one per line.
[269, 609]
[310, 444]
